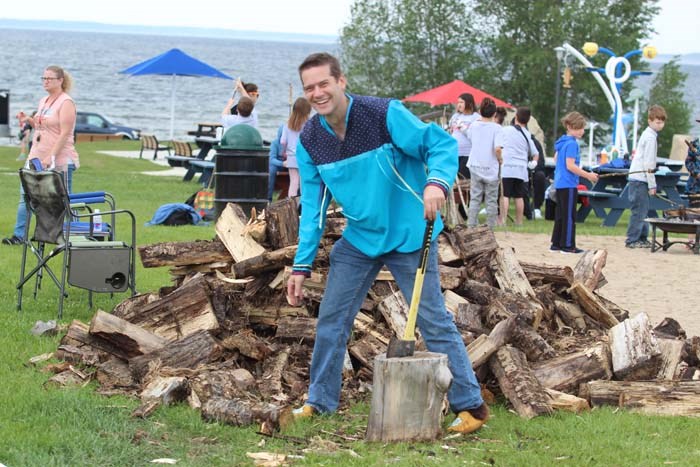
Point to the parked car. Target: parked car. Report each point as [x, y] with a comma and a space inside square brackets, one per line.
[92, 122]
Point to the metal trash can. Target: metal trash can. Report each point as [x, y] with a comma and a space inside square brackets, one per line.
[241, 170]
[4, 113]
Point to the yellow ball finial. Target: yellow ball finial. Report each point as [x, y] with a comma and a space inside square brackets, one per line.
[649, 52]
[590, 48]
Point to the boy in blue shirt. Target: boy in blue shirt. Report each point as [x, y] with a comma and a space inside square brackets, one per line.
[566, 174]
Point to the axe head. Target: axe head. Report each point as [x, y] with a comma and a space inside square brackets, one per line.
[399, 348]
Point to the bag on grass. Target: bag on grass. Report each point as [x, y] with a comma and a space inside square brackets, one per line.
[175, 214]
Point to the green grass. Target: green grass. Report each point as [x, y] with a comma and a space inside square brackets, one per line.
[76, 427]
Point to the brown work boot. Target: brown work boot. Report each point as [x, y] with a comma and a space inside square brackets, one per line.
[305, 411]
[470, 420]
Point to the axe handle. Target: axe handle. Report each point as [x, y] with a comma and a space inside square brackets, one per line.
[410, 331]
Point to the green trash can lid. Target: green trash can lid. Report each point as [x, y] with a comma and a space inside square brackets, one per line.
[242, 136]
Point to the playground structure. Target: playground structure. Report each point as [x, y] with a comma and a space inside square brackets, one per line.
[617, 70]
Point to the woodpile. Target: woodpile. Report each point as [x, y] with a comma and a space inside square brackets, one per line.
[222, 338]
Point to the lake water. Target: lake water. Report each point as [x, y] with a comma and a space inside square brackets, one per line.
[94, 60]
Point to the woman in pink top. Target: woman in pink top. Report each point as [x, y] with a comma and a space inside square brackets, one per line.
[53, 145]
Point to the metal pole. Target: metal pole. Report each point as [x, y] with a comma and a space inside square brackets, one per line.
[557, 89]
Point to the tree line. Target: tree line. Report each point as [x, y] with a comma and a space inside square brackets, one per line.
[395, 48]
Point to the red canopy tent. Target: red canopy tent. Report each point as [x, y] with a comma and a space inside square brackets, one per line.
[448, 94]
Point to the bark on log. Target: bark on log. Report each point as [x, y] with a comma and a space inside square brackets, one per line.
[230, 227]
[167, 390]
[271, 383]
[468, 318]
[509, 275]
[335, 227]
[619, 313]
[590, 303]
[635, 352]
[471, 242]
[589, 269]
[394, 309]
[183, 253]
[669, 328]
[533, 345]
[224, 384]
[366, 349]
[296, 328]
[407, 397]
[450, 278]
[484, 346]
[282, 218]
[571, 314]
[248, 344]
[130, 305]
[240, 412]
[270, 315]
[264, 262]
[678, 398]
[183, 312]
[446, 252]
[548, 273]
[567, 372]
[484, 294]
[114, 373]
[189, 352]
[519, 384]
[132, 339]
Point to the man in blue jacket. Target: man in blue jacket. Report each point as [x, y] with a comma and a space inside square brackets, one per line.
[389, 171]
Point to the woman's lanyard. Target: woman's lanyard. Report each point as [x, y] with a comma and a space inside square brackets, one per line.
[44, 110]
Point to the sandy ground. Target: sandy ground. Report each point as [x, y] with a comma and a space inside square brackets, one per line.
[661, 284]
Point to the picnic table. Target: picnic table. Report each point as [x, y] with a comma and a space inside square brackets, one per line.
[609, 196]
[200, 163]
[674, 226]
[205, 129]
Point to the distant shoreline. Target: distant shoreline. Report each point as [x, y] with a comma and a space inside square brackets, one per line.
[210, 33]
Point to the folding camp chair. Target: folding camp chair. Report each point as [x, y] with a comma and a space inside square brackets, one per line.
[97, 266]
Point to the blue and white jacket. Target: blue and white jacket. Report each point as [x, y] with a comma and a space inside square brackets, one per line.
[377, 174]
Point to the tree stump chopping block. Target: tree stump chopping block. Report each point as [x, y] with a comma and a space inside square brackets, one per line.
[407, 395]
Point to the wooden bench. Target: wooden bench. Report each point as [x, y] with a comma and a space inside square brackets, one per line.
[90, 137]
[182, 154]
[150, 143]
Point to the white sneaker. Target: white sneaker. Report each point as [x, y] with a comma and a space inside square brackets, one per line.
[538, 214]
[482, 212]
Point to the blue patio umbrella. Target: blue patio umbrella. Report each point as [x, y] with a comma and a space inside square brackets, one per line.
[174, 63]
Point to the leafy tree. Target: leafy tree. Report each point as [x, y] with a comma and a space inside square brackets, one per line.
[400, 47]
[519, 38]
[667, 91]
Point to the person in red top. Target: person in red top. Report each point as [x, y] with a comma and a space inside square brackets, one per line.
[53, 145]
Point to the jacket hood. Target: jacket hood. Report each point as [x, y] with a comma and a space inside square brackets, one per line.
[563, 141]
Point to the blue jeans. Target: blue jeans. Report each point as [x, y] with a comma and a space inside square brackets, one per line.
[350, 277]
[637, 229]
[21, 221]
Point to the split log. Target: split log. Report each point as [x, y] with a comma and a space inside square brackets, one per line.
[70, 377]
[468, 318]
[188, 352]
[130, 304]
[271, 383]
[183, 312]
[590, 303]
[394, 309]
[79, 337]
[167, 390]
[264, 262]
[478, 268]
[471, 242]
[453, 301]
[366, 349]
[484, 294]
[224, 384]
[450, 278]
[519, 384]
[567, 402]
[509, 275]
[567, 372]
[669, 328]
[230, 227]
[366, 325]
[671, 357]
[677, 398]
[589, 269]
[407, 397]
[179, 271]
[296, 328]
[548, 273]
[83, 354]
[239, 412]
[282, 218]
[531, 343]
[335, 227]
[183, 253]
[446, 252]
[132, 339]
[248, 344]
[571, 314]
[484, 346]
[618, 312]
[271, 314]
[692, 351]
[635, 352]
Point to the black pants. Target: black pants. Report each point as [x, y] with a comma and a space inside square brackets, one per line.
[539, 185]
[463, 170]
[564, 232]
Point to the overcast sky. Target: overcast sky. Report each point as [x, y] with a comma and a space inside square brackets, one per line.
[676, 24]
